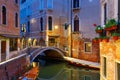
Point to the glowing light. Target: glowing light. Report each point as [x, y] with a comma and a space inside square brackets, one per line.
[33, 20]
[29, 39]
[56, 27]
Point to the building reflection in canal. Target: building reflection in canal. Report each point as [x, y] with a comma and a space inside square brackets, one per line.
[57, 70]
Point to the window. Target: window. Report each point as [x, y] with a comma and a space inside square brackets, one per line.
[50, 23]
[23, 1]
[118, 71]
[76, 23]
[16, 1]
[41, 24]
[41, 4]
[3, 15]
[105, 13]
[13, 44]
[50, 4]
[52, 40]
[28, 23]
[104, 68]
[105, 17]
[75, 3]
[23, 29]
[119, 9]
[87, 78]
[88, 47]
[16, 20]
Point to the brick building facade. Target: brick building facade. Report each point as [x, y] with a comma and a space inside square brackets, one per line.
[9, 28]
[87, 12]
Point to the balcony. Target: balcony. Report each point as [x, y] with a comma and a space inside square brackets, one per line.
[49, 9]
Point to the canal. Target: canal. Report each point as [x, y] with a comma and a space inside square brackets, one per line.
[60, 70]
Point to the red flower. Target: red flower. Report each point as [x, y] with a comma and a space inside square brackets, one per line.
[94, 25]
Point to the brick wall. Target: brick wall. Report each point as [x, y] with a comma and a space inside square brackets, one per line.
[89, 56]
[11, 8]
[13, 68]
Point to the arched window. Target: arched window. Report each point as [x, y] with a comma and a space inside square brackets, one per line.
[3, 15]
[76, 23]
[50, 23]
[41, 24]
[16, 20]
[28, 25]
[75, 3]
[16, 1]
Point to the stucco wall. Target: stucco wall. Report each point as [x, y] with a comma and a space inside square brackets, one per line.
[111, 51]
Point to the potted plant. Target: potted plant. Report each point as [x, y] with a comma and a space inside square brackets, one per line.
[111, 25]
[115, 36]
[105, 39]
[99, 29]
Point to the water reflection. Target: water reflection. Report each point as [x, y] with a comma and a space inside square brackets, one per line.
[57, 70]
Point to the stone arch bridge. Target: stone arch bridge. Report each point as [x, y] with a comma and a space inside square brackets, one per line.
[49, 51]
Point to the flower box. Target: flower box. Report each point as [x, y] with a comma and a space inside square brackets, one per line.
[115, 36]
[111, 25]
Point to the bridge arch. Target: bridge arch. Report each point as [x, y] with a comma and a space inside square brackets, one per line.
[46, 51]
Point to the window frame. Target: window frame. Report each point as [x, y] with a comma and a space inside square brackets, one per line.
[2, 15]
[104, 69]
[51, 4]
[76, 20]
[28, 28]
[116, 70]
[51, 23]
[87, 76]
[76, 5]
[41, 24]
[16, 1]
[85, 47]
[16, 22]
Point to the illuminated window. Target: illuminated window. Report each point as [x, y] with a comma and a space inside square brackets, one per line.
[88, 47]
[16, 20]
[50, 23]
[75, 3]
[76, 23]
[3, 15]
[104, 68]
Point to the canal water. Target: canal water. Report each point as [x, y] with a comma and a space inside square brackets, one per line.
[59, 70]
